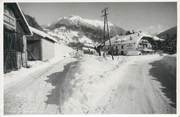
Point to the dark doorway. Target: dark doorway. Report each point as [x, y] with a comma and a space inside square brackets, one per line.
[122, 52]
[34, 50]
[10, 60]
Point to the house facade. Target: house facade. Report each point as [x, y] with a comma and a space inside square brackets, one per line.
[15, 29]
[133, 44]
[40, 46]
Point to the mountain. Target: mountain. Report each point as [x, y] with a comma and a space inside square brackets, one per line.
[170, 43]
[70, 37]
[32, 22]
[170, 33]
[92, 29]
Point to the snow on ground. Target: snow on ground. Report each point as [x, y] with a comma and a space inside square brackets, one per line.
[104, 86]
[37, 93]
[164, 71]
[62, 50]
[40, 94]
[92, 84]
[139, 91]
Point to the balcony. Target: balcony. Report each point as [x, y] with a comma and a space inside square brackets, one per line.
[9, 21]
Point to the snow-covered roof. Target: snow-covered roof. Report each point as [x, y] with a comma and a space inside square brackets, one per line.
[24, 18]
[153, 37]
[132, 38]
[43, 34]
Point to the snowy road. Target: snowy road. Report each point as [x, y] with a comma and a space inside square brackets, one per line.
[91, 85]
[38, 93]
[140, 92]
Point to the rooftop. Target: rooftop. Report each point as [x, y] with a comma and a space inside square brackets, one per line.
[42, 34]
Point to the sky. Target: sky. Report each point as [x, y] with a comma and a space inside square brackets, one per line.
[150, 17]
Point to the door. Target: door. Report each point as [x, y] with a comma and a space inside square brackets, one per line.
[122, 52]
[10, 60]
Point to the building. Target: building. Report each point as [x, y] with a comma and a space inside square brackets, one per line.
[15, 30]
[88, 48]
[133, 44]
[40, 46]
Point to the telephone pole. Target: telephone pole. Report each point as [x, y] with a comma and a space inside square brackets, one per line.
[106, 29]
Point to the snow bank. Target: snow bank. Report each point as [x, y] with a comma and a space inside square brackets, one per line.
[61, 51]
[91, 84]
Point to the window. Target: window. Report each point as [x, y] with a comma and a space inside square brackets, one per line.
[122, 47]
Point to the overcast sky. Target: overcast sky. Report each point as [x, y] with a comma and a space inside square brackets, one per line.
[150, 17]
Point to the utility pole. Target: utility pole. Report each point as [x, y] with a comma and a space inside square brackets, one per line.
[106, 28]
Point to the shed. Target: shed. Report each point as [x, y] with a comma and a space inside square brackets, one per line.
[40, 46]
[15, 30]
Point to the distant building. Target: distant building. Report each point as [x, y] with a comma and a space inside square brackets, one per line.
[40, 46]
[15, 29]
[133, 44]
[88, 48]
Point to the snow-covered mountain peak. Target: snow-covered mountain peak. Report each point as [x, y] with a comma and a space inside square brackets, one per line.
[88, 27]
[75, 17]
[77, 20]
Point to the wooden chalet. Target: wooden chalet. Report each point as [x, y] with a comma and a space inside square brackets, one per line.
[16, 29]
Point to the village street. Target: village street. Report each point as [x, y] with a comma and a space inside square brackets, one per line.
[93, 84]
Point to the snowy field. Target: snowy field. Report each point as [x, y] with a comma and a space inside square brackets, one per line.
[92, 84]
